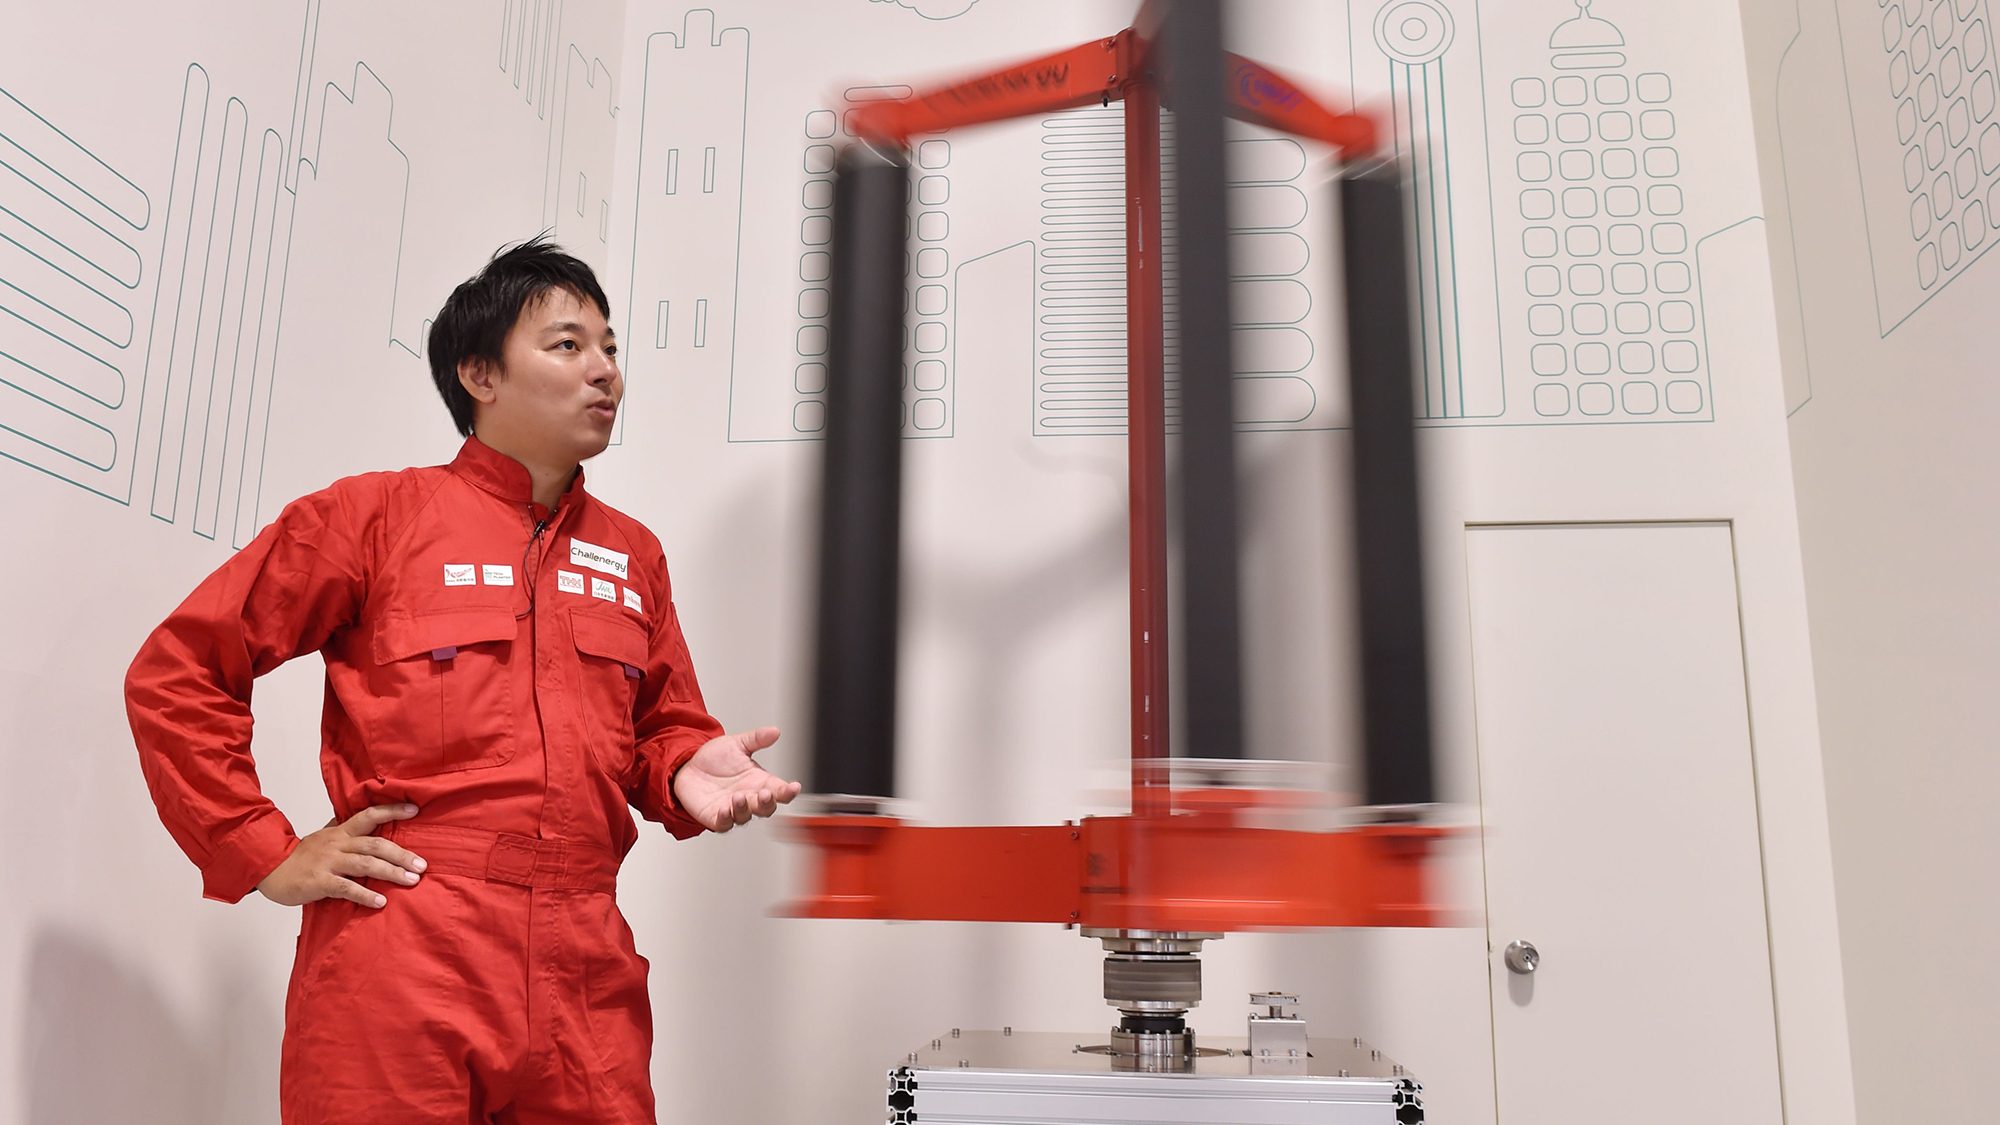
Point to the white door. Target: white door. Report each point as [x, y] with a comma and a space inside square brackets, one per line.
[1620, 820]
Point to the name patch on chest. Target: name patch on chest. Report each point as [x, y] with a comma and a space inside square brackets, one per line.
[597, 558]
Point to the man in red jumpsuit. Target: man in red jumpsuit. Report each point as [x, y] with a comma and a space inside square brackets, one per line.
[505, 674]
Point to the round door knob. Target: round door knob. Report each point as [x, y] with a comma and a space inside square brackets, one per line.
[1522, 957]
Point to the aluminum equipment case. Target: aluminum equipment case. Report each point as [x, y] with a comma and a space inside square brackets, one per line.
[1045, 1078]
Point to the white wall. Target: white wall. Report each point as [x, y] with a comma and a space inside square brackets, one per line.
[1889, 372]
[1014, 679]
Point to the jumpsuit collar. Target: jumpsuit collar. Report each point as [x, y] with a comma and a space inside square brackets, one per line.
[505, 477]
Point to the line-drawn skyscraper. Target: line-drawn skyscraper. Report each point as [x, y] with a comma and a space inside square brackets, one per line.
[72, 292]
[1562, 189]
[687, 209]
[1600, 318]
[1080, 291]
[1922, 87]
[928, 300]
[1424, 57]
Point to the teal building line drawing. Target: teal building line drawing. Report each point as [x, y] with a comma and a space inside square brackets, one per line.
[245, 286]
[1922, 87]
[70, 275]
[929, 388]
[587, 89]
[237, 413]
[1412, 45]
[1080, 301]
[565, 87]
[171, 276]
[134, 368]
[687, 206]
[274, 234]
[1582, 227]
[147, 371]
[412, 341]
[212, 232]
[809, 374]
[1612, 329]
[529, 38]
[33, 137]
[302, 93]
[1804, 375]
[1080, 342]
[1273, 349]
[958, 306]
[935, 10]
[184, 416]
[1701, 288]
[930, 284]
[85, 249]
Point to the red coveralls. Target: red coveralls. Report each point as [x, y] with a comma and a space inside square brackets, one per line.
[521, 690]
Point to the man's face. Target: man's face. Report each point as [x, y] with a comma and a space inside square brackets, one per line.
[556, 394]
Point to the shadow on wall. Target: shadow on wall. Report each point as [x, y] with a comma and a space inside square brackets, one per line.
[102, 1044]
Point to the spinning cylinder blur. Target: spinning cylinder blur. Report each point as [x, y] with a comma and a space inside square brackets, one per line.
[1395, 670]
[854, 712]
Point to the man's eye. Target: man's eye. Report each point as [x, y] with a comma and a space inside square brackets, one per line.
[567, 344]
[612, 351]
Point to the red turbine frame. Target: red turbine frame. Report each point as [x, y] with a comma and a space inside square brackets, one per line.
[1200, 867]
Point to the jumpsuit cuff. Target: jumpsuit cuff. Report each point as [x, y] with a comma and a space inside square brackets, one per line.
[673, 816]
[243, 858]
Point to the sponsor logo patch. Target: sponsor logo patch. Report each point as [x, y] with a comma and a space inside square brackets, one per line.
[632, 601]
[497, 575]
[600, 588]
[461, 574]
[597, 558]
[569, 582]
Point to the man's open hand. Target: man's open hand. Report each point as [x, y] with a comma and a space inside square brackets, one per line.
[327, 863]
[721, 787]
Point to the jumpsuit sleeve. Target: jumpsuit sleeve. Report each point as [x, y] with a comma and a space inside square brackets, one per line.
[669, 719]
[187, 693]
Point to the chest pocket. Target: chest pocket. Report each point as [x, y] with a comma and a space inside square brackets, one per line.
[611, 659]
[444, 685]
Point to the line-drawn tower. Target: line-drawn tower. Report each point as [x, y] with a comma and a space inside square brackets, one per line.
[929, 390]
[688, 206]
[1924, 95]
[1423, 55]
[1596, 282]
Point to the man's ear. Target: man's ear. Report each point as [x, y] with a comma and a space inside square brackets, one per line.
[477, 376]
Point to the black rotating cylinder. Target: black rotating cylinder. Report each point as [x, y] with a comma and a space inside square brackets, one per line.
[1210, 610]
[1395, 669]
[854, 709]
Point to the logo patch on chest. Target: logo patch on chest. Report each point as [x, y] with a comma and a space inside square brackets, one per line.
[632, 601]
[569, 582]
[597, 558]
[494, 575]
[600, 588]
[461, 574]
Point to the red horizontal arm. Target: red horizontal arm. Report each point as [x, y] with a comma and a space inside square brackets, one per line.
[1197, 872]
[1262, 96]
[1092, 72]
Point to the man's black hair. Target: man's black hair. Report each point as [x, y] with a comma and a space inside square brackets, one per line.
[478, 315]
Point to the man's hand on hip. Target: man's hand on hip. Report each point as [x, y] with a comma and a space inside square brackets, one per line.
[327, 863]
[721, 787]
